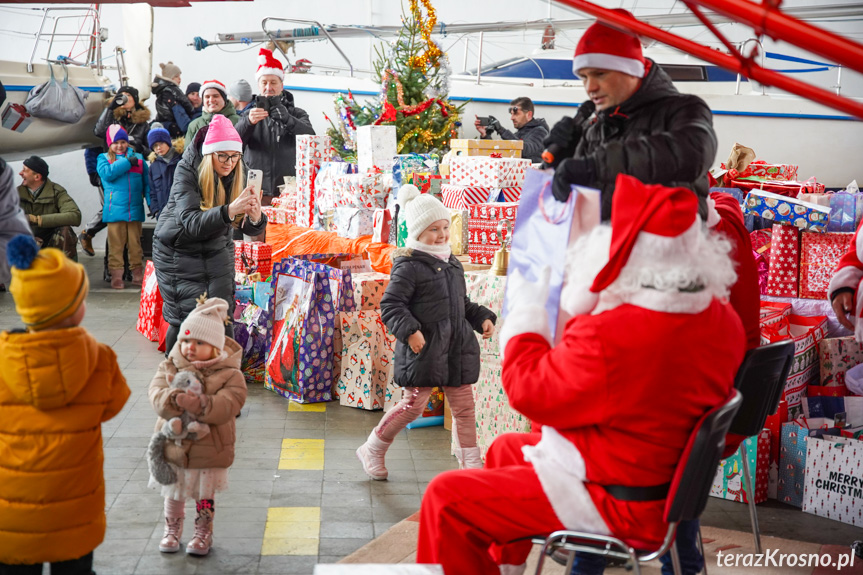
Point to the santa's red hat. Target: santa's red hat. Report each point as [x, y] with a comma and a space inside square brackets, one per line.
[216, 85]
[639, 211]
[269, 65]
[607, 48]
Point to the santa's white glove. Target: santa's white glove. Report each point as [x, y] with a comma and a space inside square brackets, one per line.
[713, 216]
[526, 313]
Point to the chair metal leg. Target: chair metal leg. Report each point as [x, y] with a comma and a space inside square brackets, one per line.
[750, 490]
[570, 562]
[675, 559]
[701, 548]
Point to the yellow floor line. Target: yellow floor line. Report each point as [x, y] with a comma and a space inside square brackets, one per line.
[292, 531]
[302, 454]
[308, 407]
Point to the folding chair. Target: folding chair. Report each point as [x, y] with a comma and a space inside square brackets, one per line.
[760, 379]
[686, 498]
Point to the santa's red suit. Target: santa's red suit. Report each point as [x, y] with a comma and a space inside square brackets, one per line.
[618, 396]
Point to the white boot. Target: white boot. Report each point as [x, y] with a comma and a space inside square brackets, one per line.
[468, 458]
[371, 455]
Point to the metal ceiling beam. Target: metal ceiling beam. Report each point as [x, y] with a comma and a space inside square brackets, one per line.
[747, 67]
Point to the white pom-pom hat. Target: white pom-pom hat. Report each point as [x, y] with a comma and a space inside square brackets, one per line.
[420, 210]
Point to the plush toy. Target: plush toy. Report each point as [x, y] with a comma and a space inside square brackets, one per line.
[176, 429]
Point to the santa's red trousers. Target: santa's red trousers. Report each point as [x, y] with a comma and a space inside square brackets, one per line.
[470, 517]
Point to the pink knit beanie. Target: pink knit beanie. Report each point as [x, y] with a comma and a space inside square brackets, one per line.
[221, 137]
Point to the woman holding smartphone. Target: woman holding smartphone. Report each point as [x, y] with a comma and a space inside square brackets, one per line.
[193, 250]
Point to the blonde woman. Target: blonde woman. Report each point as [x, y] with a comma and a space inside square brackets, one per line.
[193, 248]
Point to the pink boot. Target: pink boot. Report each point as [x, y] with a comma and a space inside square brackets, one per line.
[174, 515]
[371, 455]
[203, 539]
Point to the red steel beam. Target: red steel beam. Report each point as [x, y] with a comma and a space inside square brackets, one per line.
[778, 25]
[746, 67]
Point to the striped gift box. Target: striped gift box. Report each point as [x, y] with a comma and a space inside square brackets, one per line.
[460, 197]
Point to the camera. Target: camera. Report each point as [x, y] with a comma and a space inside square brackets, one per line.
[483, 120]
[121, 99]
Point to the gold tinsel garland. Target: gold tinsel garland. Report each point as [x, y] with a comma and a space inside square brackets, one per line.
[432, 52]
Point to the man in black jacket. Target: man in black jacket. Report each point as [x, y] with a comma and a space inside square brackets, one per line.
[269, 129]
[532, 131]
[642, 125]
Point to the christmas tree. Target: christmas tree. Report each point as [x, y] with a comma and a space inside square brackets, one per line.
[413, 74]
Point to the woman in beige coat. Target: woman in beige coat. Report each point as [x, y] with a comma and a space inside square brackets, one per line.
[201, 348]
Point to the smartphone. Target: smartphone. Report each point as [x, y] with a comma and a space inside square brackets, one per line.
[254, 178]
[483, 120]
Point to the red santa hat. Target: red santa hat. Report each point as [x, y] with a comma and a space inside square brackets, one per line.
[607, 48]
[638, 211]
[221, 137]
[214, 84]
[269, 65]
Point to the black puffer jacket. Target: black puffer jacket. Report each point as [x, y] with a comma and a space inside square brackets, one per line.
[532, 134]
[193, 249]
[659, 135]
[428, 294]
[136, 122]
[271, 146]
[167, 95]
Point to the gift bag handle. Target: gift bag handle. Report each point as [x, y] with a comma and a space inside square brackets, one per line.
[560, 217]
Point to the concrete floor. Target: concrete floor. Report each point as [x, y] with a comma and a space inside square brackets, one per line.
[274, 520]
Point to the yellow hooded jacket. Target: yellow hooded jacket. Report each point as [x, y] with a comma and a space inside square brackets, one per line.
[56, 389]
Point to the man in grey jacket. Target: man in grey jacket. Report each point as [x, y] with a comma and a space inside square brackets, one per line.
[532, 131]
[13, 220]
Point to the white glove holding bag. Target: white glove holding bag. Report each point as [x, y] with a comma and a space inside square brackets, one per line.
[528, 315]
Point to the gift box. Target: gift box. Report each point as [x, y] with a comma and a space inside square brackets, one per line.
[819, 256]
[729, 482]
[837, 355]
[369, 288]
[366, 190]
[458, 232]
[15, 117]
[481, 254]
[494, 416]
[260, 256]
[382, 220]
[793, 456]
[328, 184]
[820, 199]
[366, 360]
[786, 188]
[406, 164]
[774, 423]
[786, 210]
[376, 147]
[484, 221]
[353, 222]
[844, 214]
[428, 183]
[783, 279]
[312, 151]
[761, 169]
[493, 211]
[502, 148]
[487, 290]
[483, 172]
[460, 197]
[832, 486]
[510, 194]
[150, 310]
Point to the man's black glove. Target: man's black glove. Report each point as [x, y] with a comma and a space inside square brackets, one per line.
[566, 133]
[133, 160]
[95, 180]
[585, 111]
[493, 125]
[577, 171]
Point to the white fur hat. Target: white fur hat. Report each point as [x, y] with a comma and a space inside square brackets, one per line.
[420, 210]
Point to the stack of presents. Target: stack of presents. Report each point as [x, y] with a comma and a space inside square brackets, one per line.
[811, 452]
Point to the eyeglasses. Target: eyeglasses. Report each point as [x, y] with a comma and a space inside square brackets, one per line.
[514, 110]
[225, 158]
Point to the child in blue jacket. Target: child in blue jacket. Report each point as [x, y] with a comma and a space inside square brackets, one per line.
[127, 185]
[163, 162]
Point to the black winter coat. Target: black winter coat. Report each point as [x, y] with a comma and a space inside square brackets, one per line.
[532, 134]
[659, 135]
[271, 146]
[428, 294]
[193, 250]
[167, 95]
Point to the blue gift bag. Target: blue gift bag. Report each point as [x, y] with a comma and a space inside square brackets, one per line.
[544, 229]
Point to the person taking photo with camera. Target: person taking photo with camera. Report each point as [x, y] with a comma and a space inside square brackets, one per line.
[126, 110]
[270, 127]
[532, 131]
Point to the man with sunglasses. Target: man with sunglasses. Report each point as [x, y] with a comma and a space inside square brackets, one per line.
[532, 131]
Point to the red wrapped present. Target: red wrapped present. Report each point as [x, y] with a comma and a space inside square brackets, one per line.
[485, 232]
[819, 256]
[789, 188]
[481, 253]
[784, 276]
[493, 211]
[460, 197]
[382, 220]
[15, 117]
[150, 312]
[256, 257]
[761, 169]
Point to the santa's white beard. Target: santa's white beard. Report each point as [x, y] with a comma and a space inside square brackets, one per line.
[584, 260]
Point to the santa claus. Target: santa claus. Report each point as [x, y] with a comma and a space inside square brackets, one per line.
[652, 346]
